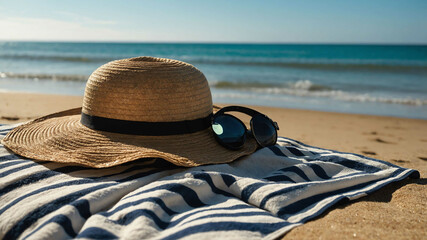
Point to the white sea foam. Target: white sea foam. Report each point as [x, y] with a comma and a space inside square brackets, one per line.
[39, 76]
[306, 88]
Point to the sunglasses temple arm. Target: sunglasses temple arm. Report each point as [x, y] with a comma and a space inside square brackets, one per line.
[250, 112]
[276, 125]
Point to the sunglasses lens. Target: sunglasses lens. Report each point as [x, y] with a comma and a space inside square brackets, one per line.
[229, 131]
[264, 131]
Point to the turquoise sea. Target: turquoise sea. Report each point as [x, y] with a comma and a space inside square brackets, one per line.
[386, 80]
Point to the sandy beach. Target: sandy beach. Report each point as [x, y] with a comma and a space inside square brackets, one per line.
[397, 211]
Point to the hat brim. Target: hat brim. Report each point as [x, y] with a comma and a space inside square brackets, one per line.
[60, 137]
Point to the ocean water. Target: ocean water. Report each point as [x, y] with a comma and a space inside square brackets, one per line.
[368, 79]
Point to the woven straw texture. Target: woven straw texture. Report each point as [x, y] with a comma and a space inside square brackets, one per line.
[138, 89]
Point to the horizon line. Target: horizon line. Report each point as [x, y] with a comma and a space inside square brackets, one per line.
[218, 42]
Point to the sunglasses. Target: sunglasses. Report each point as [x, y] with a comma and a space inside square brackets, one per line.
[231, 132]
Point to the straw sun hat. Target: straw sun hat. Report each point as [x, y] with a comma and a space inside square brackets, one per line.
[142, 107]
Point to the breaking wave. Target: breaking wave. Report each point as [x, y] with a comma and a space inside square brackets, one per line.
[301, 88]
[304, 85]
[42, 76]
[56, 58]
[305, 88]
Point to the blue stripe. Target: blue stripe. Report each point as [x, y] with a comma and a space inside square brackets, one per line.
[239, 214]
[279, 178]
[356, 165]
[277, 151]
[31, 179]
[155, 200]
[188, 194]
[262, 228]
[131, 216]
[62, 221]
[10, 157]
[184, 216]
[318, 170]
[300, 205]
[295, 151]
[128, 218]
[83, 207]
[334, 151]
[341, 199]
[299, 186]
[67, 169]
[40, 212]
[206, 177]
[156, 169]
[20, 198]
[11, 163]
[281, 139]
[295, 170]
[96, 233]
[251, 188]
[19, 168]
[228, 179]
[73, 182]
[280, 192]
[40, 176]
[6, 130]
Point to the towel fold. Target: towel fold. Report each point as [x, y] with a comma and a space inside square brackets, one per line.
[263, 195]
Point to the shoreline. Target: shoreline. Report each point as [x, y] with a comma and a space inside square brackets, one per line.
[369, 135]
[395, 211]
[67, 99]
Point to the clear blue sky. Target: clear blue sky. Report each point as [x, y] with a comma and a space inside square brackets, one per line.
[304, 21]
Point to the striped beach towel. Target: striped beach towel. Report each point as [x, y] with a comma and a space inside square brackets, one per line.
[261, 196]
